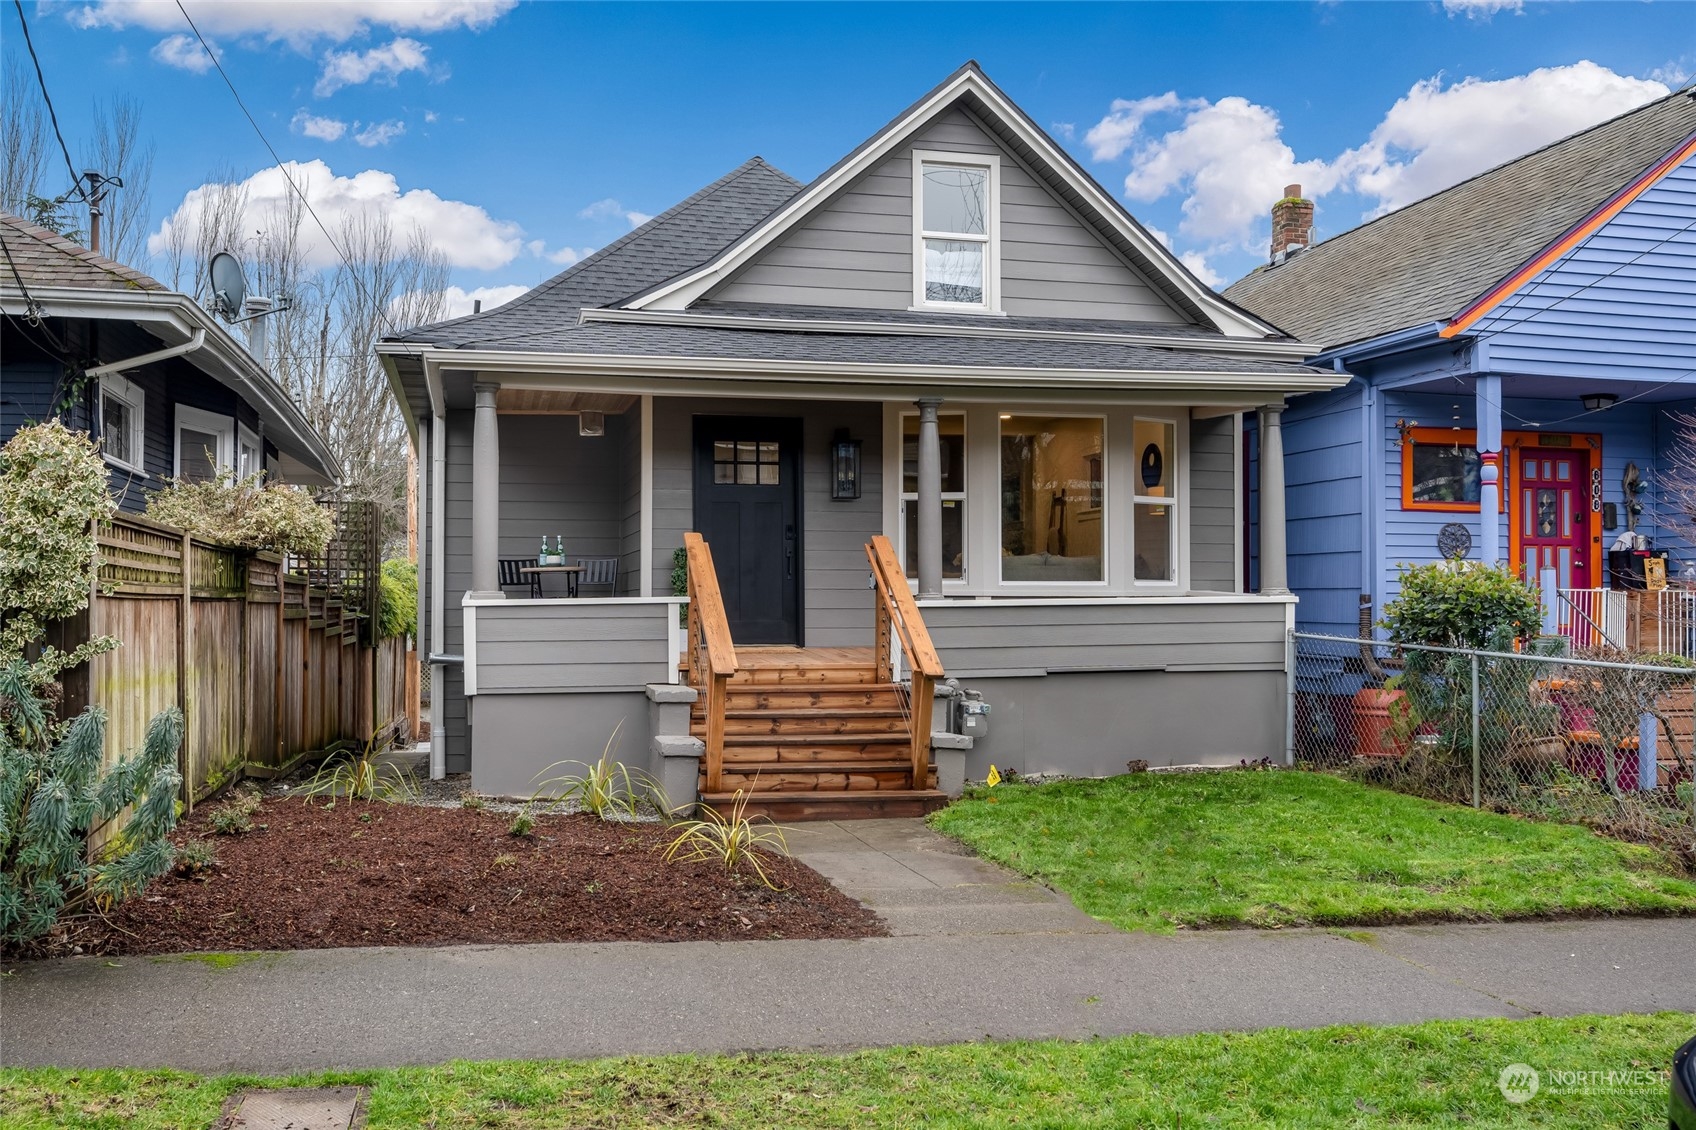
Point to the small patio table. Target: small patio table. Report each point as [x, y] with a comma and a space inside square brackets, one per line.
[570, 571]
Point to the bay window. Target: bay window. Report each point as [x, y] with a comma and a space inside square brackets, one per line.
[956, 231]
[1052, 495]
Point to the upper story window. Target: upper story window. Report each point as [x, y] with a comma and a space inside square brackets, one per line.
[956, 231]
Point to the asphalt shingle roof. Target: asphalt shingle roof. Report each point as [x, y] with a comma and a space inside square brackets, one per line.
[44, 258]
[1429, 260]
[677, 240]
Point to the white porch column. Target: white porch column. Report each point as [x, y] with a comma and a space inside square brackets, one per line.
[930, 500]
[1274, 574]
[485, 495]
[1487, 394]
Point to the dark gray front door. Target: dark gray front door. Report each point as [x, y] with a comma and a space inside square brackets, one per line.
[747, 507]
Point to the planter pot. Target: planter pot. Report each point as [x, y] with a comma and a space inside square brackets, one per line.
[1536, 756]
[1373, 736]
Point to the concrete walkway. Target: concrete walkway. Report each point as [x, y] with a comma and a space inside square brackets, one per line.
[977, 954]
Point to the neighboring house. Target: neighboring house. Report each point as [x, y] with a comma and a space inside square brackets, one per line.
[165, 387]
[1518, 342]
[953, 338]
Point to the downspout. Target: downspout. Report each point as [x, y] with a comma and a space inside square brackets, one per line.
[438, 573]
[189, 346]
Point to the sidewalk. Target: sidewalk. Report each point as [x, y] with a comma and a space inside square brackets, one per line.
[977, 954]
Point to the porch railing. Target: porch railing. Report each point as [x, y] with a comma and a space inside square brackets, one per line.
[898, 619]
[1591, 617]
[1636, 620]
[712, 655]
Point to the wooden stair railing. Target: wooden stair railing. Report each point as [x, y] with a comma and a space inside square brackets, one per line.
[712, 655]
[898, 619]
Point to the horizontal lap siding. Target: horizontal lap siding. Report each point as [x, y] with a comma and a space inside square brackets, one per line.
[1213, 504]
[456, 565]
[557, 483]
[586, 647]
[984, 639]
[1621, 305]
[1322, 491]
[630, 517]
[858, 250]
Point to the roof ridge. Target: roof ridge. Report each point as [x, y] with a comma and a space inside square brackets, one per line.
[1689, 91]
[73, 250]
[602, 254]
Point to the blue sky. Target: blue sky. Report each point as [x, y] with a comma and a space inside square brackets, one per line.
[521, 135]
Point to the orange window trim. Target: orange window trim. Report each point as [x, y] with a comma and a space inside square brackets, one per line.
[1441, 437]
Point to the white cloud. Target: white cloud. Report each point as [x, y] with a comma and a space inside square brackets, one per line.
[610, 209]
[465, 233]
[430, 117]
[1674, 72]
[1197, 263]
[311, 125]
[383, 64]
[295, 22]
[461, 302]
[1482, 9]
[379, 133]
[566, 256]
[1229, 160]
[1111, 136]
[184, 52]
[1067, 130]
[1435, 136]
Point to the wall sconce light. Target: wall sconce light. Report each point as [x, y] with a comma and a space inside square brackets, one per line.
[591, 423]
[1598, 401]
[844, 466]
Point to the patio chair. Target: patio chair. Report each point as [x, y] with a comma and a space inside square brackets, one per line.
[598, 571]
[512, 578]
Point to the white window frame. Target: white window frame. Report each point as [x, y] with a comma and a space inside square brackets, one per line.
[1178, 537]
[1106, 509]
[135, 400]
[991, 239]
[224, 427]
[904, 496]
[248, 440]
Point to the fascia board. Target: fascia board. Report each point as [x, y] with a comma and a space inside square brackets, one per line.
[685, 289]
[1270, 350]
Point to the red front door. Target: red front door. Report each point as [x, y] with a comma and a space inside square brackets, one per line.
[1551, 512]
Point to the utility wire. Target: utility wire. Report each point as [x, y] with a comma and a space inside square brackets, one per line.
[281, 166]
[52, 116]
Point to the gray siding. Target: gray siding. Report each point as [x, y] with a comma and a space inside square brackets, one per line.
[1214, 481]
[1003, 638]
[837, 608]
[530, 734]
[573, 647]
[456, 579]
[857, 251]
[556, 483]
[630, 515]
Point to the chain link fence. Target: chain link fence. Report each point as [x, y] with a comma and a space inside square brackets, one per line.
[1600, 742]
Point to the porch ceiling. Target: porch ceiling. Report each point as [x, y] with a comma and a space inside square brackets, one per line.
[560, 402]
[1518, 386]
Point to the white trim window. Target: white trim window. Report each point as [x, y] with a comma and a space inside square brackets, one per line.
[1154, 523]
[123, 411]
[951, 427]
[1054, 500]
[204, 444]
[250, 453]
[956, 231]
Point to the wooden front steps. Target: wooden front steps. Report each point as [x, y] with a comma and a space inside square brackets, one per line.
[812, 734]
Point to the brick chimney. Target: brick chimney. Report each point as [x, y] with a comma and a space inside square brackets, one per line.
[1292, 223]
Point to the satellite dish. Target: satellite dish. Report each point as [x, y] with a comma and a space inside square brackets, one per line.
[229, 286]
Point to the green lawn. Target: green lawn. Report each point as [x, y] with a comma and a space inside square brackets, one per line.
[1440, 1073]
[1152, 851]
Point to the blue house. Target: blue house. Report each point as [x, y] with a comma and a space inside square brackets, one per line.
[1520, 346]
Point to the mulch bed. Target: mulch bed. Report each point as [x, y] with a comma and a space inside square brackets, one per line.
[311, 877]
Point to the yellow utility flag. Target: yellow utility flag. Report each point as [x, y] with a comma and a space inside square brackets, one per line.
[994, 777]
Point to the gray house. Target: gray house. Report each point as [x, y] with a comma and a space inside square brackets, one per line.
[952, 348]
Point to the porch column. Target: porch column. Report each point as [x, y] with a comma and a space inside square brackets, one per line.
[1274, 576]
[1487, 394]
[930, 500]
[485, 495]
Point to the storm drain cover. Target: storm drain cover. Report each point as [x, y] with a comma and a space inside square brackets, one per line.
[303, 1108]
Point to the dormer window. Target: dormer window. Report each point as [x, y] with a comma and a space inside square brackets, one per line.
[956, 231]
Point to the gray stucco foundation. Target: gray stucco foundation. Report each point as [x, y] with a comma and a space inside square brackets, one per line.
[519, 736]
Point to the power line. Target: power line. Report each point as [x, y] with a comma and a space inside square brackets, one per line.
[281, 166]
[52, 116]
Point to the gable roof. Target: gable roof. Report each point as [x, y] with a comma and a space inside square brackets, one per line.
[39, 257]
[971, 89]
[1430, 260]
[678, 239]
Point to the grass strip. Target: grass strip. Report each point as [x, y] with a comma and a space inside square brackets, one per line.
[1154, 851]
[1439, 1073]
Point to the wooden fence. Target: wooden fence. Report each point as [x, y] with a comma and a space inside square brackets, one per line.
[267, 665]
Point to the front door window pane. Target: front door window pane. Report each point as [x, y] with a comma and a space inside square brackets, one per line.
[197, 455]
[747, 463]
[1050, 477]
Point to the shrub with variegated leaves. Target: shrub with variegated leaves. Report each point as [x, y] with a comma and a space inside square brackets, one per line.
[245, 513]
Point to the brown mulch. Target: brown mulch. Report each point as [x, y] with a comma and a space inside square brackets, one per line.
[311, 877]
